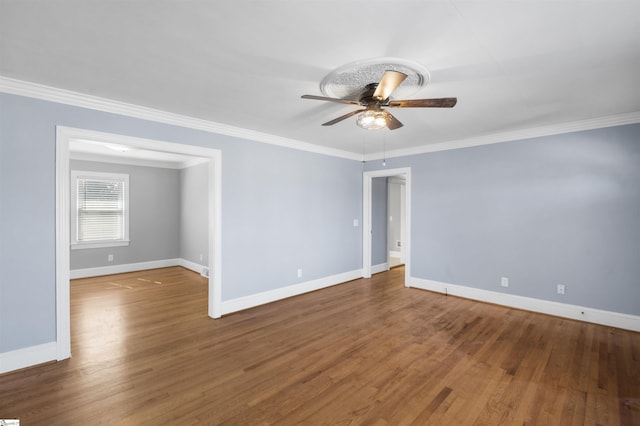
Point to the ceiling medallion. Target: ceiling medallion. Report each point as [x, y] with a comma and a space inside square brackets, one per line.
[347, 81]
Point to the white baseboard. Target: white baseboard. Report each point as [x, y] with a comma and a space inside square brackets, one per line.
[195, 267]
[27, 357]
[581, 313]
[380, 268]
[128, 267]
[258, 299]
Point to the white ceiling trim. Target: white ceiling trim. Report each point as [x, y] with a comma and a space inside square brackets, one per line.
[52, 94]
[47, 93]
[556, 129]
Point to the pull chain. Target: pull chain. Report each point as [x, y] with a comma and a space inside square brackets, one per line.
[384, 160]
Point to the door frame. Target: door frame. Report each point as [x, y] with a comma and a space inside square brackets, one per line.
[64, 135]
[367, 179]
[403, 226]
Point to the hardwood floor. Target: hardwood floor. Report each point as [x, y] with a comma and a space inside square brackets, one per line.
[365, 352]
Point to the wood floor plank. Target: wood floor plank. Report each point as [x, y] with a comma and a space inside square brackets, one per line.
[365, 352]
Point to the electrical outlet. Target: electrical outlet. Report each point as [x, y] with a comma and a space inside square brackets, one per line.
[110, 258]
[560, 288]
[299, 273]
[201, 256]
[504, 282]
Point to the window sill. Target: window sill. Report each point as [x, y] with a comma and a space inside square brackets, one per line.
[99, 244]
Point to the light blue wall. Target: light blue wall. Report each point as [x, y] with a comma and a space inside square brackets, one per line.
[282, 209]
[154, 217]
[554, 210]
[379, 199]
[394, 209]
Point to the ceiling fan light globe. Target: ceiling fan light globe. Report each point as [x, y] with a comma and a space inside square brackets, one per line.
[372, 120]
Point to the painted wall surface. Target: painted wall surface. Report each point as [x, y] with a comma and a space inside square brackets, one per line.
[562, 209]
[154, 217]
[285, 210]
[554, 210]
[394, 216]
[194, 208]
[282, 209]
[378, 220]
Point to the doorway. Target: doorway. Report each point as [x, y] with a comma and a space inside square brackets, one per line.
[396, 232]
[64, 137]
[367, 218]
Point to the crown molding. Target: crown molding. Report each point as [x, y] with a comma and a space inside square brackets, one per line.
[67, 97]
[535, 132]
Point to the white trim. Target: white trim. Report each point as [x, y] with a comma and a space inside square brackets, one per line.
[63, 241]
[99, 244]
[403, 224]
[581, 313]
[134, 267]
[215, 235]
[192, 266]
[123, 268]
[536, 132]
[246, 302]
[381, 267]
[67, 97]
[367, 179]
[27, 357]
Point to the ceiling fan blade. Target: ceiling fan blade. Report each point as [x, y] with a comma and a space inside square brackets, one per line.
[342, 117]
[324, 98]
[388, 83]
[392, 122]
[424, 103]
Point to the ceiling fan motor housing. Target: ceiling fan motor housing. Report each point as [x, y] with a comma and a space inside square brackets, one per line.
[367, 98]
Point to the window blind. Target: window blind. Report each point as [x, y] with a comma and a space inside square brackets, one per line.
[101, 209]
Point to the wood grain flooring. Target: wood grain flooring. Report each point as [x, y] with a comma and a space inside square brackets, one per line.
[365, 352]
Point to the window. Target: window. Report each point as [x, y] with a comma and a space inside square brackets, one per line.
[100, 209]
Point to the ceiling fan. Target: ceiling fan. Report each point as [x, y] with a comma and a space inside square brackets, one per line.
[375, 96]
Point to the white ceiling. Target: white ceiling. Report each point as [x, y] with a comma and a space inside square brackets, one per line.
[107, 152]
[513, 65]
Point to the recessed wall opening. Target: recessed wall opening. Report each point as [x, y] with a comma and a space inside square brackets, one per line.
[84, 146]
[373, 214]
